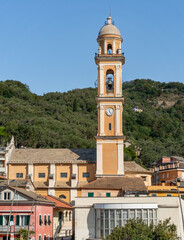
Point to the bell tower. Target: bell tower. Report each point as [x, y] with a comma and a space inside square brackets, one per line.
[110, 139]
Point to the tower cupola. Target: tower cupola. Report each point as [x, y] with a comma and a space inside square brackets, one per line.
[109, 39]
[109, 29]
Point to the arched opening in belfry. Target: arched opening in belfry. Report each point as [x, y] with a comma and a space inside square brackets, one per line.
[110, 80]
[109, 49]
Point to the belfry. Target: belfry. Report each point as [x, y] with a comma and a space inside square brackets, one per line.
[110, 139]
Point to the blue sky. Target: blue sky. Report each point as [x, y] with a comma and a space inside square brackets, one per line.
[50, 45]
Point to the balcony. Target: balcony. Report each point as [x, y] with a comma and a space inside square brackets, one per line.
[4, 228]
[17, 228]
[14, 228]
[2, 169]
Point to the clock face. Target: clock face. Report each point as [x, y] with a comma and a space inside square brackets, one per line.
[109, 112]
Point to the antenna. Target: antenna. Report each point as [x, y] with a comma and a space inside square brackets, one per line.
[109, 10]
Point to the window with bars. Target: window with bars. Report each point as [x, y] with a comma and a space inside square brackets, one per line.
[108, 219]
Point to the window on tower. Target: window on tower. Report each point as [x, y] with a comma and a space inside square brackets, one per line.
[109, 49]
[110, 80]
[109, 126]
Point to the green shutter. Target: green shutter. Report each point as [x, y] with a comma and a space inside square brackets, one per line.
[28, 220]
[108, 194]
[17, 220]
[90, 194]
[11, 218]
[40, 220]
[1, 220]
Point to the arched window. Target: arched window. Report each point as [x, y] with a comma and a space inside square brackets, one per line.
[62, 196]
[110, 80]
[109, 49]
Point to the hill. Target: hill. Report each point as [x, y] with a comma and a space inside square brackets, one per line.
[152, 119]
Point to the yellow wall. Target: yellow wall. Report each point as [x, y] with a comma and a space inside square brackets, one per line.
[79, 193]
[91, 168]
[65, 192]
[41, 168]
[17, 168]
[110, 158]
[63, 168]
[109, 119]
[43, 192]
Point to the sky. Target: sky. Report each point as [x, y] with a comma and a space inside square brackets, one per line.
[50, 44]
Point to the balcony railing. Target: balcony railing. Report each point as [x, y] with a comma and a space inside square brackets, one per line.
[2, 169]
[4, 228]
[109, 55]
[15, 228]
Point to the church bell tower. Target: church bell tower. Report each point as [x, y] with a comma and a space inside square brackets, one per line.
[110, 139]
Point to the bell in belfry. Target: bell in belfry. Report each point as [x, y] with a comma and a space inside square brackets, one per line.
[110, 83]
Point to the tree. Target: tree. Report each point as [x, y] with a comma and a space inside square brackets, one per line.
[2, 133]
[23, 234]
[137, 229]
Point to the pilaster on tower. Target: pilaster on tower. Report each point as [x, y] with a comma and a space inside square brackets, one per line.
[109, 139]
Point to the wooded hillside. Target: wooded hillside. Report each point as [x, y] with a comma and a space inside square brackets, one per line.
[69, 120]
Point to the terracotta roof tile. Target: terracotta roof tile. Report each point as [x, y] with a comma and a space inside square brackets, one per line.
[59, 203]
[118, 183]
[131, 166]
[62, 184]
[38, 155]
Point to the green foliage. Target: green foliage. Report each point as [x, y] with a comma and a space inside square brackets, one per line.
[23, 234]
[137, 229]
[69, 119]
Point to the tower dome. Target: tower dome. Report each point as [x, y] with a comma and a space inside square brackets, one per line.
[109, 29]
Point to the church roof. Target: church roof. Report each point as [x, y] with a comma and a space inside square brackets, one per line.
[131, 166]
[133, 184]
[62, 155]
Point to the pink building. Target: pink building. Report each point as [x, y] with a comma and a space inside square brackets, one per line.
[29, 211]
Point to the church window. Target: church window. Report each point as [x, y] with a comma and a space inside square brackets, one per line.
[85, 174]
[110, 80]
[109, 49]
[41, 175]
[63, 175]
[19, 175]
[90, 194]
[62, 196]
[109, 126]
